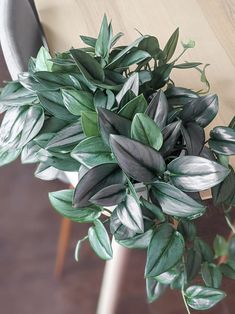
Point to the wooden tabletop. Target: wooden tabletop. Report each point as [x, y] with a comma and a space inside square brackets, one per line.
[211, 23]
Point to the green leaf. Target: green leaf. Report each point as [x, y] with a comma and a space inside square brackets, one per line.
[228, 269]
[99, 240]
[170, 133]
[92, 152]
[193, 263]
[134, 57]
[201, 110]
[137, 160]
[52, 102]
[170, 248]
[193, 174]
[102, 42]
[187, 65]
[77, 101]
[171, 44]
[161, 75]
[187, 229]
[29, 153]
[204, 249]
[154, 289]
[136, 105]
[144, 129]
[43, 62]
[211, 275]
[153, 209]
[203, 298]
[112, 123]
[132, 83]
[119, 231]
[110, 195]
[169, 276]
[33, 123]
[8, 155]
[89, 121]
[130, 214]
[94, 180]
[55, 81]
[220, 246]
[158, 109]
[194, 137]
[232, 123]
[104, 99]
[123, 52]
[222, 140]
[139, 241]
[66, 139]
[150, 44]
[231, 248]
[90, 41]
[89, 67]
[16, 97]
[62, 203]
[175, 202]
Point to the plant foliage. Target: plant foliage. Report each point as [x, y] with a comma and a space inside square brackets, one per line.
[113, 115]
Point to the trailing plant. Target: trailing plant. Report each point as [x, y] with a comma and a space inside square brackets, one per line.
[113, 115]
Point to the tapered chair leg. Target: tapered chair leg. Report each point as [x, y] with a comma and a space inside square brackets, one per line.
[64, 235]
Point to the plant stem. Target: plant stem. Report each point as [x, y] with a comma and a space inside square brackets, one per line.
[229, 224]
[185, 302]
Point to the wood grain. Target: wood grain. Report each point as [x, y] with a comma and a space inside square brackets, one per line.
[210, 23]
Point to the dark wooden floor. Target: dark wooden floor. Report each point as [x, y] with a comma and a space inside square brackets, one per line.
[28, 237]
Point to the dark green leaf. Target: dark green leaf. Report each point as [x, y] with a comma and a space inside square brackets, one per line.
[134, 57]
[153, 209]
[222, 140]
[137, 160]
[136, 105]
[220, 246]
[132, 83]
[144, 129]
[171, 44]
[193, 174]
[201, 110]
[62, 202]
[170, 247]
[110, 195]
[187, 65]
[231, 248]
[89, 121]
[67, 138]
[170, 133]
[89, 67]
[154, 289]
[53, 103]
[119, 231]
[194, 137]
[92, 152]
[203, 298]
[130, 214]
[175, 202]
[150, 44]
[193, 263]
[204, 249]
[228, 269]
[139, 241]
[102, 42]
[99, 240]
[158, 109]
[187, 229]
[112, 123]
[90, 41]
[211, 275]
[77, 101]
[95, 180]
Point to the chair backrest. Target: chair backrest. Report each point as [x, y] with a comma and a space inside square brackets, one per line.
[21, 34]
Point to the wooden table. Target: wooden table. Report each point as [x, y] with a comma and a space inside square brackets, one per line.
[211, 23]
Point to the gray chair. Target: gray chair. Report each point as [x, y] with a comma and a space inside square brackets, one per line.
[21, 34]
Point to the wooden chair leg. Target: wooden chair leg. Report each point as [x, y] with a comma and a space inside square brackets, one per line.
[64, 235]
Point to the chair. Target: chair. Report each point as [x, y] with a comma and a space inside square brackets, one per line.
[21, 36]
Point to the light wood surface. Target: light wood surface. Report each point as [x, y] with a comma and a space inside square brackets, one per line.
[211, 23]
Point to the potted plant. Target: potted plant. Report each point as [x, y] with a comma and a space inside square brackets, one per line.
[113, 115]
